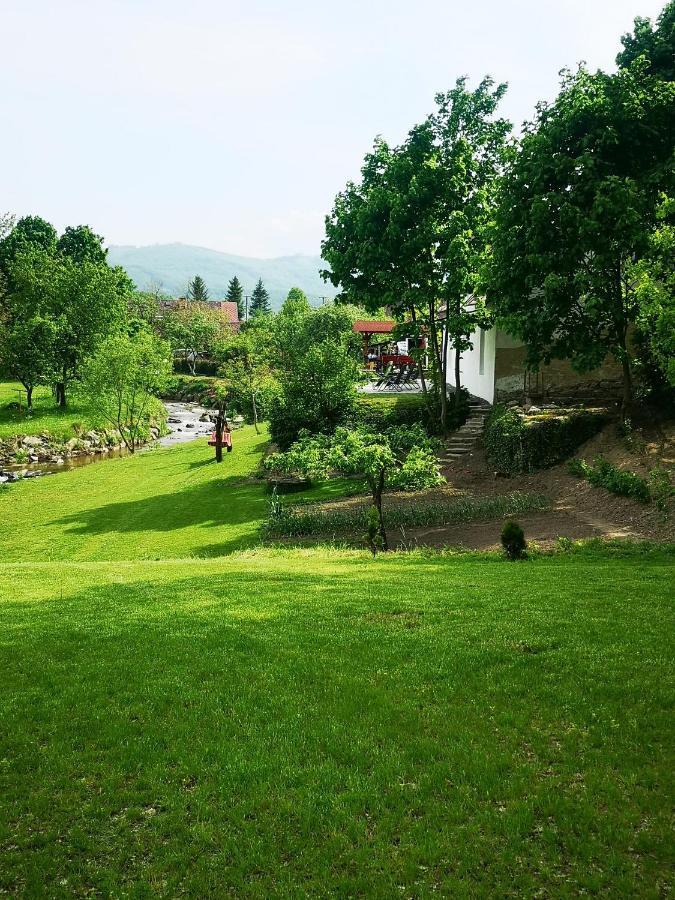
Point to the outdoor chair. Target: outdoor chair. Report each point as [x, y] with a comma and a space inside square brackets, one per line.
[383, 379]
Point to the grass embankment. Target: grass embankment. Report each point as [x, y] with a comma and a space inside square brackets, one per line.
[159, 504]
[45, 416]
[293, 724]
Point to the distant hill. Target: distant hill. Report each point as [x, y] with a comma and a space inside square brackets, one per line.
[173, 265]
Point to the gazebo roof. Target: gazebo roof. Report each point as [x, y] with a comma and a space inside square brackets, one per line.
[374, 326]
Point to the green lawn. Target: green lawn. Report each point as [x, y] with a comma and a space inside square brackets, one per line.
[293, 724]
[45, 415]
[279, 723]
[157, 504]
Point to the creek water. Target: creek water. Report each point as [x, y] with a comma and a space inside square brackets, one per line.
[184, 424]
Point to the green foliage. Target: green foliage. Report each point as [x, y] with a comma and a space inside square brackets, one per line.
[656, 44]
[245, 363]
[513, 541]
[121, 379]
[394, 461]
[81, 244]
[312, 519]
[192, 389]
[577, 207]
[235, 294]
[260, 300]
[412, 234]
[515, 444]
[197, 290]
[604, 474]
[29, 234]
[317, 358]
[661, 488]
[385, 411]
[193, 328]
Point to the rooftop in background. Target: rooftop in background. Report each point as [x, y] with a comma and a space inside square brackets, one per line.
[229, 309]
[366, 326]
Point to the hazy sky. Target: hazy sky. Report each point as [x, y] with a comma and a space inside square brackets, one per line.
[233, 124]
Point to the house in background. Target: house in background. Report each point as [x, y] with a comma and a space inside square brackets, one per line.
[229, 310]
[495, 371]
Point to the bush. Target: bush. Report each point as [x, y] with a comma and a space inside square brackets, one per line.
[383, 412]
[603, 474]
[192, 389]
[516, 444]
[513, 540]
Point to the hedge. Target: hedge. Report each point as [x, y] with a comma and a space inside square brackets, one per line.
[382, 412]
[515, 443]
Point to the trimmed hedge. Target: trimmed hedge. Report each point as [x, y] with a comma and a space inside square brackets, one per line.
[515, 444]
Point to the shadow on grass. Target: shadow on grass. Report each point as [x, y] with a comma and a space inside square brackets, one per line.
[228, 501]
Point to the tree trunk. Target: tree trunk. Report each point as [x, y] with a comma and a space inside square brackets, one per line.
[220, 424]
[29, 397]
[627, 399]
[377, 500]
[440, 369]
[458, 374]
[255, 413]
[61, 394]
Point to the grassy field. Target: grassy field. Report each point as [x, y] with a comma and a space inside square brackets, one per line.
[45, 416]
[158, 504]
[278, 723]
[293, 724]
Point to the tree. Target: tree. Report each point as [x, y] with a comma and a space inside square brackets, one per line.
[81, 244]
[246, 366]
[260, 300]
[197, 290]
[319, 367]
[412, 235]
[657, 45]
[654, 279]
[403, 459]
[81, 300]
[577, 207]
[27, 339]
[235, 294]
[121, 379]
[194, 329]
[29, 233]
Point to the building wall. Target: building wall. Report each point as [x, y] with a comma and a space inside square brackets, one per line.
[477, 366]
[495, 370]
[556, 381]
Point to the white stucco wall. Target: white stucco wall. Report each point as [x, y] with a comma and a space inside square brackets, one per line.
[477, 366]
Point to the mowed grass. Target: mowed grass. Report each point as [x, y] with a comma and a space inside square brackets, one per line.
[287, 723]
[160, 503]
[45, 415]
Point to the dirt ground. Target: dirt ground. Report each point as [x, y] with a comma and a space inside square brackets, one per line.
[578, 510]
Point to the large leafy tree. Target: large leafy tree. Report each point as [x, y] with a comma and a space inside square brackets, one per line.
[197, 290]
[318, 357]
[235, 294]
[577, 208]
[82, 301]
[29, 233]
[247, 366]
[82, 244]
[654, 42]
[260, 300]
[412, 234]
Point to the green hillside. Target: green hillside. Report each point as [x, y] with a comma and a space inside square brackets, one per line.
[173, 265]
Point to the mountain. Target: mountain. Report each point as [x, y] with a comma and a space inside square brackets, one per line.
[173, 265]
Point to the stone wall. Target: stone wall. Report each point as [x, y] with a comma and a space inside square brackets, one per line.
[556, 381]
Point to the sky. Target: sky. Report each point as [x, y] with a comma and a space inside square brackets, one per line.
[232, 125]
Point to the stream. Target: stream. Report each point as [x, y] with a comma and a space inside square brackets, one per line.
[184, 424]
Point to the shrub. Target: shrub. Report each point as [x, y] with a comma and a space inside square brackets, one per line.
[192, 389]
[513, 540]
[515, 443]
[603, 474]
[380, 413]
[660, 488]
